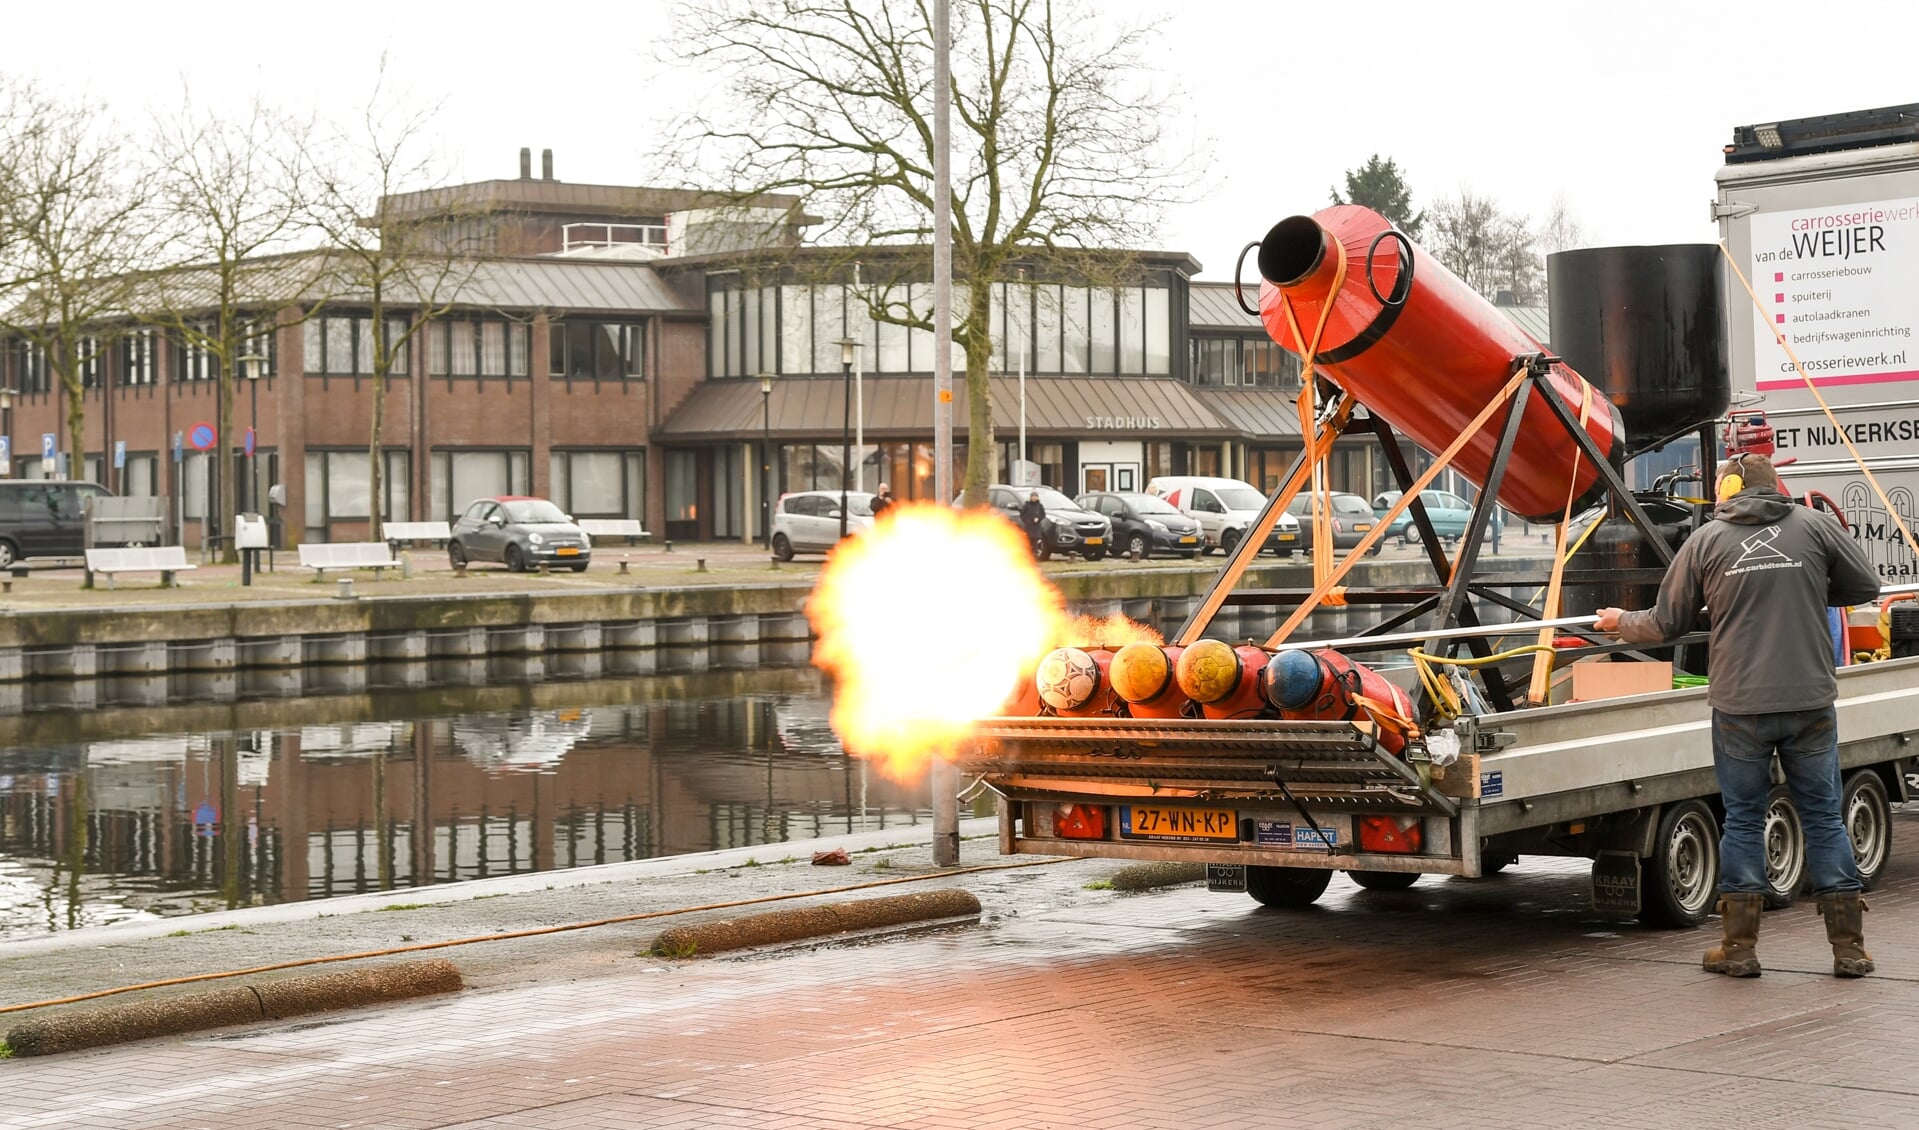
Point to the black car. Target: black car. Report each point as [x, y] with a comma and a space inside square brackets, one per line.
[43, 518]
[1145, 524]
[519, 532]
[1066, 528]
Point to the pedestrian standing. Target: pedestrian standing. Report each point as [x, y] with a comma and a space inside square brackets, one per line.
[882, 501]
[1032, 519]
[1767, 570]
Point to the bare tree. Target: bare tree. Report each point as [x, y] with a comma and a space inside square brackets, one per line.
[383, 257]
[1057, 143]
[231, 193]
[1562, 229]
[1487, 247]
[75, 233]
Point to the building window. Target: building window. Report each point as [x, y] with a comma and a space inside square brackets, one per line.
[30, 371]
[599, 484]
[596, 350]
[195, 359]
[136, 358]
[339, 483]
[342, 345]
[459, 477]
[477, 347]
[93, 362]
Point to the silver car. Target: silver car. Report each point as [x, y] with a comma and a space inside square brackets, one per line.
[808, 521]
[519, 532]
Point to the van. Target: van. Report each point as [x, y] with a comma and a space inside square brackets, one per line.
[1225, 509]
[43, 518]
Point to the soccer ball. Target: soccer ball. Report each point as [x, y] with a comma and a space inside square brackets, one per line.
[1066, 678]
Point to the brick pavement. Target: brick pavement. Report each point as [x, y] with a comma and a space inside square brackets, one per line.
[1498, 1003]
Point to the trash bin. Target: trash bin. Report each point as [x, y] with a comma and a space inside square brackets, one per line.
[250, 531]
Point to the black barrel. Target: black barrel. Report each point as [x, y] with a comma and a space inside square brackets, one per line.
[1644, 325]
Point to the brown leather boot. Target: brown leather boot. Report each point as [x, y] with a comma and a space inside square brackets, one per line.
[1737, 954]
[1846, 930]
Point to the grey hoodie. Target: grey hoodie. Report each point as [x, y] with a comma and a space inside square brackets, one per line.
[1766, 569]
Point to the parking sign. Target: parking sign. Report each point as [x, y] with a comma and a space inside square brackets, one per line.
[119, 454]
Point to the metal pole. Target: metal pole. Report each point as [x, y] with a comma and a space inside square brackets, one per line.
[1022, 372]
[859, 404]
[766, 464]
[846, 433]
[945, 778]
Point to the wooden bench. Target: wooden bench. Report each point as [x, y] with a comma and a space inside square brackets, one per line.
[324, 555]
[397, 532]
[165, 560]
[628, 528]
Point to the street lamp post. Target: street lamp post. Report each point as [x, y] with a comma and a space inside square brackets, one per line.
[848, 346]
[253, 363]
[766, 459]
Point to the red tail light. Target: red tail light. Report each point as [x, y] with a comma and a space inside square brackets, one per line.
[1079, 822]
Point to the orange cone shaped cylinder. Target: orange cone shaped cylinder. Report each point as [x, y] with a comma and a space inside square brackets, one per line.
[1421, 350]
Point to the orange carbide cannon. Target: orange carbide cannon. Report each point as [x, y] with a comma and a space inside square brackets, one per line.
[1422, 351]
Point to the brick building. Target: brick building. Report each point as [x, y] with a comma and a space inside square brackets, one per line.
[607, 351]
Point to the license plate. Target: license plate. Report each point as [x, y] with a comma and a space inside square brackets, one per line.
[1188, 540]
[1095, 541]
[1139, 822]
[1361, 527]
[1288, 537]
[567, 551]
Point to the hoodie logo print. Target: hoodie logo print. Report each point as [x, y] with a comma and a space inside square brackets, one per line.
[1760, 552]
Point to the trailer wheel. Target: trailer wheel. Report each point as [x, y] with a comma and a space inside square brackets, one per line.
[1679, 882]
[1384, 880]
[1286, 886]
[1868, 818]
[1785, 843]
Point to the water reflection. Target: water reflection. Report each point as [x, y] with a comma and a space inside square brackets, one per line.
[170, 824]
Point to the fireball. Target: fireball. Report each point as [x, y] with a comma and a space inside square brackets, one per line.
[927, 623]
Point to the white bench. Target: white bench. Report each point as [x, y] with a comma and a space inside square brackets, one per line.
[628, 528]
[165, 560]
[324, 555]
[397, 532]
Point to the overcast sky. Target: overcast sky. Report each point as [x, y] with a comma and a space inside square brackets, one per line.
[1621, 107]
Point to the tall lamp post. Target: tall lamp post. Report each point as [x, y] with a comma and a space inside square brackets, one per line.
[848, 347]
[766, 459]
[253, 363]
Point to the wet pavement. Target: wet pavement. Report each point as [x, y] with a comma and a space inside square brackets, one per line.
[1492, 1003]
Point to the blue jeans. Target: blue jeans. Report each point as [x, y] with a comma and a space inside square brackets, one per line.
[1807, 742]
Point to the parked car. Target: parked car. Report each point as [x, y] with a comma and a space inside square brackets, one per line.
[1144, 523]
[1067, 528]
[1448, 511]
[1352, 518]
[43, 518]
[519, 532]
[1225, 509]
[808, 521]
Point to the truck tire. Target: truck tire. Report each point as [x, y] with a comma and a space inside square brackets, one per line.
[1680, 883]
[1286, 886]
[1384, 880]
[1785, 847]
[1868, 818]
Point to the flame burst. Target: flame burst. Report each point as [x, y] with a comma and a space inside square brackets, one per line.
[929, 622]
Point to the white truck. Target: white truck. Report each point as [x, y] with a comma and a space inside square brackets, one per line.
[1822, 216]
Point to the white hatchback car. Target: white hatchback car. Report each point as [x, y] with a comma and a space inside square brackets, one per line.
[808, 521]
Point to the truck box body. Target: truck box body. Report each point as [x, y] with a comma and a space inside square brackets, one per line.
[1830, 242]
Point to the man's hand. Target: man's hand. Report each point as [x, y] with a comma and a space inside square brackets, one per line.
[1608, 620]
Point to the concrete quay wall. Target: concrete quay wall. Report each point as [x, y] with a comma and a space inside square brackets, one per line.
[82, 643]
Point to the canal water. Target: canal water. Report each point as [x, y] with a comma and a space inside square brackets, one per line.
[399, 785]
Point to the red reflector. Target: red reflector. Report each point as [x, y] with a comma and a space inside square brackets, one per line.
[1570, 641]
[1079, 822]
[1389, 834]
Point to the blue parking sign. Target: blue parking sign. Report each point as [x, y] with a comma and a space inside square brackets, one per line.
[119, 454]
[179, 446]
[49, 443]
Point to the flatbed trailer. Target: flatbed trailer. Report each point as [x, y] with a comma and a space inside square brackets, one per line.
[1274, 807]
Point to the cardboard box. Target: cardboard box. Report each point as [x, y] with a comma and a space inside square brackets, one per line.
[1595, 679]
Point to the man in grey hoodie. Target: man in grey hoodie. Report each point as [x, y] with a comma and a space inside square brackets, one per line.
[1766, 571]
